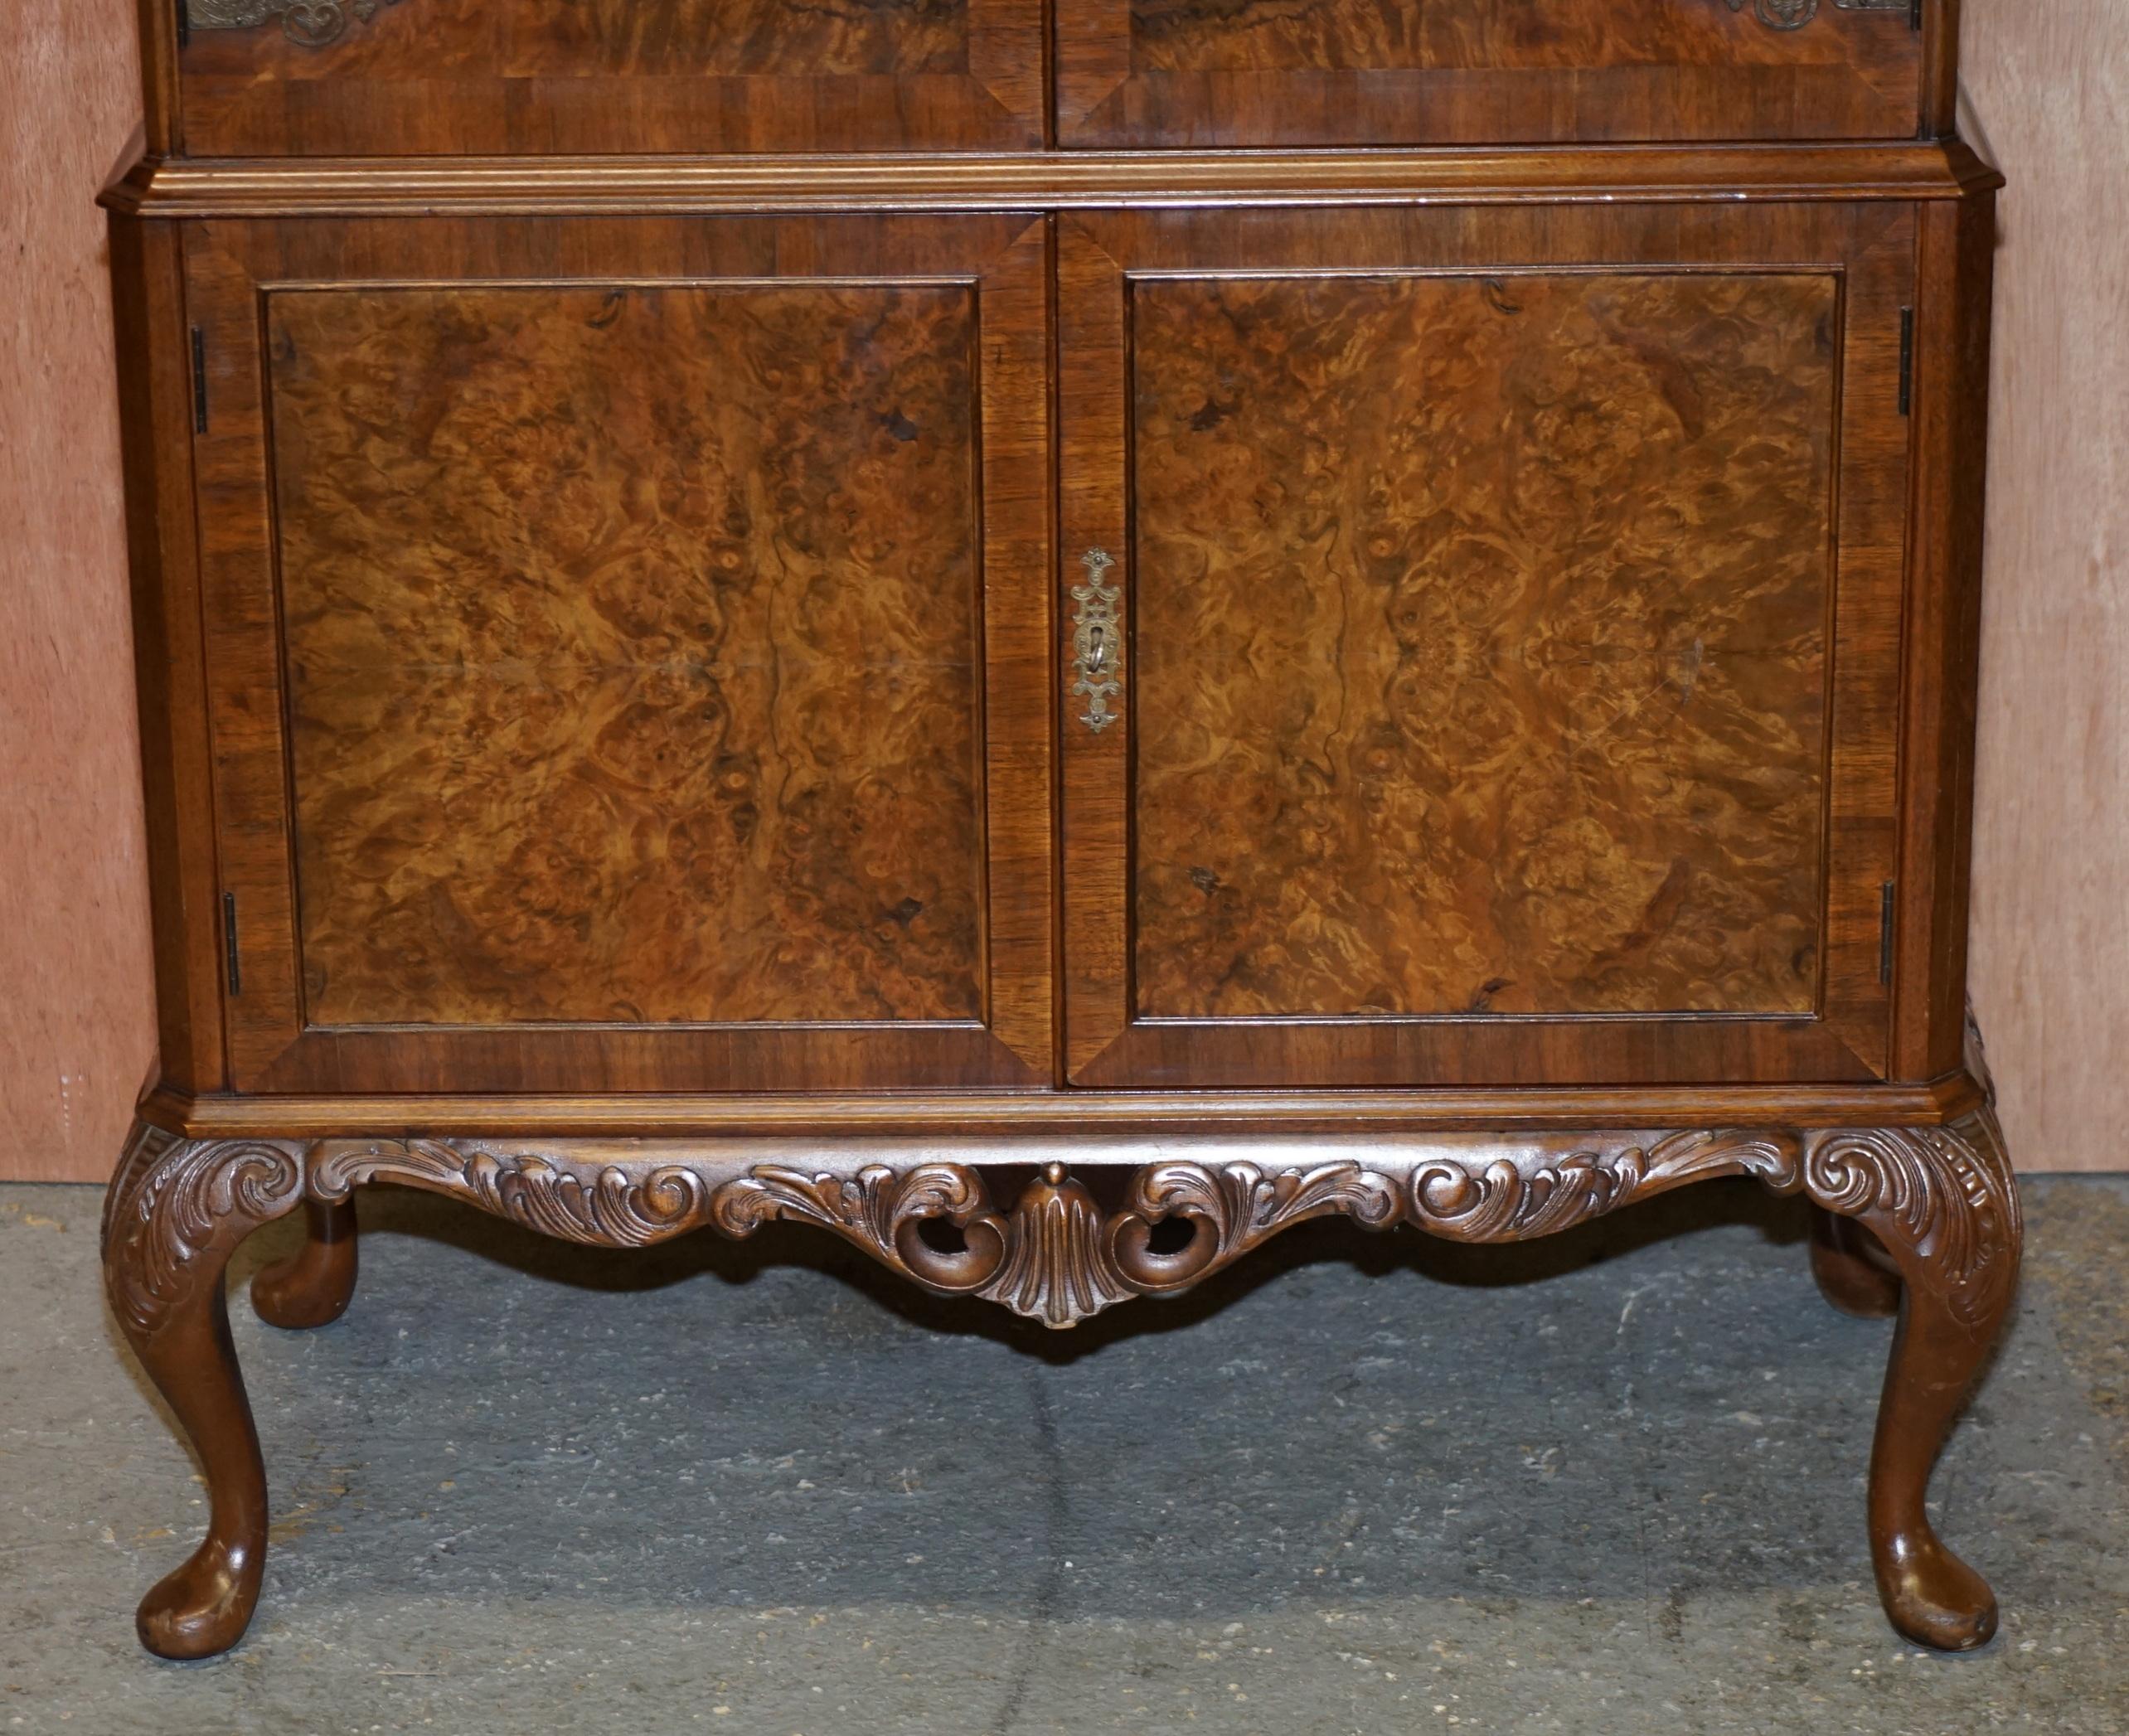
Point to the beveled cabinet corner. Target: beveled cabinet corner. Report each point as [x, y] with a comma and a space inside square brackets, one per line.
[1053, 644]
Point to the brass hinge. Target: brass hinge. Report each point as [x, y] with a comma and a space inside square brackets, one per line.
[228, 944]
[1906, 361]
[1885, 932]
[199, 380]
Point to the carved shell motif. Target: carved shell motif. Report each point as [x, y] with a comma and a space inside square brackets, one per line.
[1056, 1270]
[1057, 1257]
[1047, 1261]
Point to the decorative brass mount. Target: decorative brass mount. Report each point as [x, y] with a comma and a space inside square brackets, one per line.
[312, 23]
[1795, 14]
[1097, 649]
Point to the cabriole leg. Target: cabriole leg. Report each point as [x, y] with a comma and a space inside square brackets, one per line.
[177, 1211]
[1944, 1203]
[1847, 1275]
[313, 1286]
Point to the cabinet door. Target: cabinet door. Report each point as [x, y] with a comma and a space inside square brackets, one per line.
[627, 643]
[1142, 73]
[1505, 674]
[388, 78]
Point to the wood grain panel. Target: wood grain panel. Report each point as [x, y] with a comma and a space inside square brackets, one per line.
[78, 1033]
[2051, 958]
[1481, 643]
[238, 274]
[1116, 1035]
[632, 651]
[459, 75]
[1262, 72]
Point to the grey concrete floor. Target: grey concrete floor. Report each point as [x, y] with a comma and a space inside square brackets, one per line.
[1609, 1482]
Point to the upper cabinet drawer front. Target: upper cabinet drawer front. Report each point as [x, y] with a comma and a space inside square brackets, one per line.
[1213, 73]
[448, 77]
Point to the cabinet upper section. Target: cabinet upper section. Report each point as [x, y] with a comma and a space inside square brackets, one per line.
[388, 78]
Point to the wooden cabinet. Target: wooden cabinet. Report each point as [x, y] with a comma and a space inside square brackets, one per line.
[742, 616]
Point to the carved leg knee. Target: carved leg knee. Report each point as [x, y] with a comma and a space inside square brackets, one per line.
[313, 1286]
[1856, 1278]
[177, 1211]
[1944, 1203]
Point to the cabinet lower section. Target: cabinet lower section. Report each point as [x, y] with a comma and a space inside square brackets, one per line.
[1057, 725]
[1058, 1228]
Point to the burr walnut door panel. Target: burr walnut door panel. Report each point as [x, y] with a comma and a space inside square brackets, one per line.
[628, 641]
[1503, 677]
[442, 77]
[1139, 73]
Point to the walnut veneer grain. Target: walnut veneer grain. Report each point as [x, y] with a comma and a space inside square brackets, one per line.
[655, 601]
[1503, 690]
[1301, 476]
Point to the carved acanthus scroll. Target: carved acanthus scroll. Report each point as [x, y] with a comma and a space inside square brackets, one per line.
[1947, 1193]
[883, 1212]
[1055, 1258]
[1511, 1202]
[607, 1205]
[176, 1204]
[1235, 1207]
[1944, 1194]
